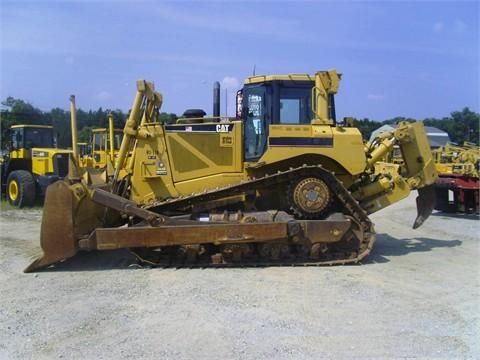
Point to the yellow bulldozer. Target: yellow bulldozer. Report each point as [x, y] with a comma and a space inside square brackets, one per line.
[100, 150]
[103, 147]
[281, 183]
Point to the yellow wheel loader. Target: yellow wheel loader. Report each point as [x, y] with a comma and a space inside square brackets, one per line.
[281, 183]
[32, 163]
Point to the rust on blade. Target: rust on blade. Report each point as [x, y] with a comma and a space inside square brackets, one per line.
[57, 231]
[145, 236]
[226, 233]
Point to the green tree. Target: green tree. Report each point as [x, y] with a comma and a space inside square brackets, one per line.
[85, 134]
[19, 112]
[61, 121]
[168, 118]
[461, 126]
[366, 127]
[466, 125]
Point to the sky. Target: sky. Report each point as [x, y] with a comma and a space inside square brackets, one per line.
[414, 59]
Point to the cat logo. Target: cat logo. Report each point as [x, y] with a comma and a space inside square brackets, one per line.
[223, 128]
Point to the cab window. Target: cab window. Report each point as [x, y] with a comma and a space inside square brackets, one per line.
[117, 140]
[295, 106]
[17, 138]
[99, 141]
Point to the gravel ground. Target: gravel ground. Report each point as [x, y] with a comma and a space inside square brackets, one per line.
[417, 296]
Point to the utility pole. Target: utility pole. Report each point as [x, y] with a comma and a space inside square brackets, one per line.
[226, 103]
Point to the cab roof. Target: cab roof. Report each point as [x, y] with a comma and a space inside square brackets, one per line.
[100, 130]
[267, 78]
[289, 77]
[32, 126]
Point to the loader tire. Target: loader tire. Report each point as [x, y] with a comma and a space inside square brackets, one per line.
[20, 188]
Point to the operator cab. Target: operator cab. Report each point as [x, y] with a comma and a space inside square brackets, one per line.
[101, 145]
[101, 141]
[31, 136]
[272, 100]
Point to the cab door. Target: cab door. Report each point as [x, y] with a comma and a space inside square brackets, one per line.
[255, 122]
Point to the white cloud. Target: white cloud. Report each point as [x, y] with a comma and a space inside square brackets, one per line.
[438, 27]
[459, 26]
[259, 25]
[69, 60]
[104, 95]
[375, 97]
[230, 83]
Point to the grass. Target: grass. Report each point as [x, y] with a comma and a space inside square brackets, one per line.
[5, 205]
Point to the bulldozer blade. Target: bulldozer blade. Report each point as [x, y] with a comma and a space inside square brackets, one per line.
[425, 204]
[57, 231]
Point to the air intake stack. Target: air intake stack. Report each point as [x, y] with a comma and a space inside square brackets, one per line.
[216, 99]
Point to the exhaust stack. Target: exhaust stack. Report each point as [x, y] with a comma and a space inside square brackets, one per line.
[216, 99]
[73, 114]
[111, 135]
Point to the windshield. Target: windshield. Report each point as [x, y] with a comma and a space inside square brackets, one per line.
[99, 141]
[38, 137]
[255, 122]
[117, 140]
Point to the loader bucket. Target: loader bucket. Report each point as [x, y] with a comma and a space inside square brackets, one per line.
[425, 204]
[57, 238]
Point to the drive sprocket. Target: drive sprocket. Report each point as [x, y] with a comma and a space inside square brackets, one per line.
[309, 198]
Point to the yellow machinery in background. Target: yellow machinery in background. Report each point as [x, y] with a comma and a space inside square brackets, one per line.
[458, 187]
[283, 182]
[84, 149]
[97, 153]
[32, 163]
[104, 145]
[103, 149]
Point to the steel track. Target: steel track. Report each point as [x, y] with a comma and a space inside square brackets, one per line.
[359, 247]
